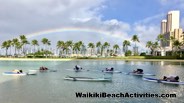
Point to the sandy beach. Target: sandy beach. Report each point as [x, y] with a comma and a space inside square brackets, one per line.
[34, 59]
[69, 59]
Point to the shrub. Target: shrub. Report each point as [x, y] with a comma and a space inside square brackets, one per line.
[128, 53]
[143, 54]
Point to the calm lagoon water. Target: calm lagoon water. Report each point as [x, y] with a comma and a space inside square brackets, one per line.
[49, 87]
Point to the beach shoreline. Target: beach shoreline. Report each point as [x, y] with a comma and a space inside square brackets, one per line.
[70, 59]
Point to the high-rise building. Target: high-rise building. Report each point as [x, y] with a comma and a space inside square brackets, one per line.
[173, 19]
[163, 26]
[170, 27]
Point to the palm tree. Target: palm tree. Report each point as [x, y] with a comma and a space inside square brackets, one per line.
[98, 45]
[69, 44]
[155, 46]
[162, 41]
[126, 43]
[177, 45]
[34, 43]
[76, 47]
[18, 46]
[5, 45]
[92, 46]
[83, 49]
[161, 38]
[80, 43]
[24, 41]
[149, 45]
[61, 45]
[14, 41]
[45, 42]
[152, 46]
[172, 39]
[135, 39]
[106, 45]
[115, 47]
[10, 43]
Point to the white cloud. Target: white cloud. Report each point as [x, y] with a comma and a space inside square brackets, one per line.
[29, 16]
[147, 29]
[24, 16]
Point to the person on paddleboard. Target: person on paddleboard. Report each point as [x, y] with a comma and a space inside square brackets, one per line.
[138, 71]
[17, 71]
[171, 78]
[77, 68]
[111, 69]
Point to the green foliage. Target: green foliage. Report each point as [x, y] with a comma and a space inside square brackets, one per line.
[160, 57]
[143, 54]
[40, 54]
[128, 53]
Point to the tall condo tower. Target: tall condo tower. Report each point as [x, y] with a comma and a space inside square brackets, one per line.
[173, 20]
[163, 26]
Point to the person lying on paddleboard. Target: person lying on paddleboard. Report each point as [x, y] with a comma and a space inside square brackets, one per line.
[17, 71]
[138, 71]
[77, 68]
[171, 78]
[111, 69]
[43, 68]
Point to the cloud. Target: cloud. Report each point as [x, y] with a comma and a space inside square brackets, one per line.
[28, 16]
[146, 33]
[147, 29]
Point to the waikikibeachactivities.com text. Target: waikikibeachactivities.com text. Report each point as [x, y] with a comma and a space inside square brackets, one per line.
[122, 95]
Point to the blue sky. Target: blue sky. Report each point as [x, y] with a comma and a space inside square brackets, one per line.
[130, 10]
[120, 19]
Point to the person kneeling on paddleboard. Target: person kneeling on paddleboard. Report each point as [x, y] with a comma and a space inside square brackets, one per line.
[171, 78]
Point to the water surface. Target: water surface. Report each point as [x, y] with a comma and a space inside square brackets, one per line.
[49, 87]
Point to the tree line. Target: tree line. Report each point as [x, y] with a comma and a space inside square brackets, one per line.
[17, 46]
[161, 43]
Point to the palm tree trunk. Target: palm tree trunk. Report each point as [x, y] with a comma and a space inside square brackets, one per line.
[101, 51]
[91, 51]
[15, 52]
[34, 49]
[6, 51]
[10, 50]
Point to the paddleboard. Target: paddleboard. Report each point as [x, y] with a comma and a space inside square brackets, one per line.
[143, 74]
[161, 81]
[111, 71]
[13, 73]
[88, 79]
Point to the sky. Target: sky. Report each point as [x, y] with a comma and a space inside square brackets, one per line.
[88, 20]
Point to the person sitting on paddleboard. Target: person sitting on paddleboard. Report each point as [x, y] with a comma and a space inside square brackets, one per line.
[171, 78]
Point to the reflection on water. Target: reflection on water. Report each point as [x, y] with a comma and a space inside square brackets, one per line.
[49, 87]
